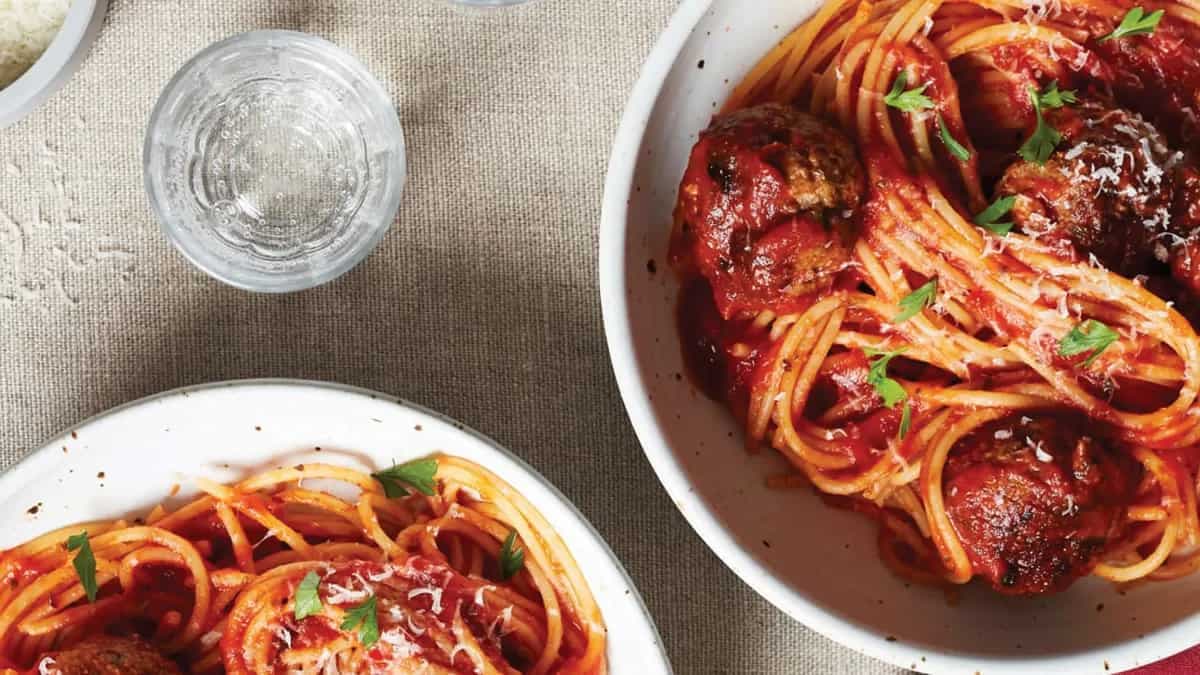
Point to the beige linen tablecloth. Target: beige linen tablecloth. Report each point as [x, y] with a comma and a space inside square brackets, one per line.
[481, 302]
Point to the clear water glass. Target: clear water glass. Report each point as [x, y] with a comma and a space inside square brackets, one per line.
[274, 161]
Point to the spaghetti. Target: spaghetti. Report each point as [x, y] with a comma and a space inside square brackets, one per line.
[1008, 385]
[436, 563]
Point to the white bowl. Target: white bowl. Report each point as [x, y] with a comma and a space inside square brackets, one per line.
[123, 462]
[57, 64]
[821, 567]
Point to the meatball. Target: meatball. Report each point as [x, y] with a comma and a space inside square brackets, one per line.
[1035, 501]
[106, 655]
[766, 208]
[1108, 190]
[1156, 75]
[1186, 214]
[1185, 260]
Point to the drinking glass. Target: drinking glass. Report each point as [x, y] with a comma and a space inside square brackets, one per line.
[274, 161]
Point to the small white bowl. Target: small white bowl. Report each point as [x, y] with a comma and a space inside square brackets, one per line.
[57, 64]
[816, 563]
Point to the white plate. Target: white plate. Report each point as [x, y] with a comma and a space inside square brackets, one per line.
[226, 431]
[57, 64]
[822, 567]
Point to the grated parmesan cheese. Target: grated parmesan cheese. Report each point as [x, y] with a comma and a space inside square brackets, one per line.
[501, 622]
[402, 648]
[1077, 150]
[26, 29]
[342, 595]
[327, 663]
[413, 628]
[1037, 11]
[386, 574]
[479, 594]
[1042, 455]
[1063, 310]
[470, 654]
[434, 593]
[210, 639]
[1153, 172]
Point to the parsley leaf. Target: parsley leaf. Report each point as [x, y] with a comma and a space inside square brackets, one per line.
[1136, 22]
[365, 619]
[511, 559]
[888, 389]
[1051, 97]
[84, 563]
[417, 474]
[913, 303]
[308, 602]
[952, 145]
[989, 218]
[908, 101]
[905, 419]
[1041, 143]
[1091, 335]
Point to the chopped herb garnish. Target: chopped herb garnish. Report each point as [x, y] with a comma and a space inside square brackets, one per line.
[888, 389]
[365, 619]
[989, 218]
[1051, 97]
[913, 303]
[1136, 22]
[308, 602]
[911, 100]
[417, 474]
[512, 559]
[1044, 139]
[1089, 336]
[905, 419]
[84, 563]
[952, 145]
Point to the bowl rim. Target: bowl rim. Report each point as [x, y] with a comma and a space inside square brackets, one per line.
[381, 103]
[57, 65]
[634, 390]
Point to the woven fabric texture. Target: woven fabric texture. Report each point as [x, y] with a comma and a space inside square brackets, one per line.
[481, 302]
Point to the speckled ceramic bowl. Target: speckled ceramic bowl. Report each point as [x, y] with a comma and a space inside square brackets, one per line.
[122, 462]
[817, 564]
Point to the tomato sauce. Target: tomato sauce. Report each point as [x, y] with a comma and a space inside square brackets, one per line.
[1035, 501]
[766, 210]
[1158, 75]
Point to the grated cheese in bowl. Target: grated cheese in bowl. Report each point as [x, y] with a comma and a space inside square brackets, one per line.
[26, 29]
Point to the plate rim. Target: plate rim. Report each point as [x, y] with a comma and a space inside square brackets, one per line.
[612, 274]
[45, 449]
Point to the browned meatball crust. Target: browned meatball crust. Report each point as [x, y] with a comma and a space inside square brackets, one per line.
[1035, 501]
[106, 655]
[1108, 191]
[766, 208]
